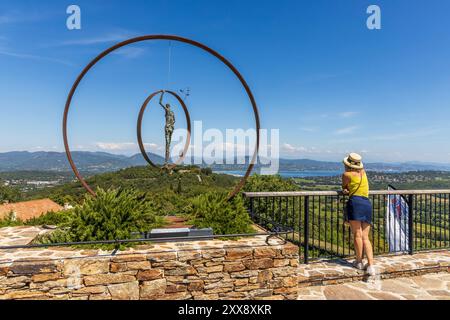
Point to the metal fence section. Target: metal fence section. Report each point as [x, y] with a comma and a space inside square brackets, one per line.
[404, 221]
[118, 242]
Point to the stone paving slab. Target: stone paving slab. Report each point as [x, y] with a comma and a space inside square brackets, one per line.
[341, 271]
[425, 287]
[21, 235]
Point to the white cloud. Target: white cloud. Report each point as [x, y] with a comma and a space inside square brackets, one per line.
[5, 19]
[346, 130]
[292, 149]
[111, 37]
[309, 129]
[348, 114]
[5, 50]
[27, 56]
[18, 16]
[406, 135]
[125, 146]
[318, 77]
[10, 17]
[394, 136]
[114, 146]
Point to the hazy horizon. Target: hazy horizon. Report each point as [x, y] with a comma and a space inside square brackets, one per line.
[337, 160]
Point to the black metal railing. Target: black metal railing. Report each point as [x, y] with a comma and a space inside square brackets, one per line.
[268, 235]
[404, 221]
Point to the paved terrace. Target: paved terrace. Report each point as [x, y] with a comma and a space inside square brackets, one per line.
[425, 287]
[329, 272]
[423, 276]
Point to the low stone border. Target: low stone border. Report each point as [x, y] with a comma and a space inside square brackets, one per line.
[393, 266]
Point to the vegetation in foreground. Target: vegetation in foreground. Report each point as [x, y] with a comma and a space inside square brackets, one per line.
[9, 194]
[214, 210]
[171, 192]
[136, 201]
[199, 194]
[274, 183]
[49, 219]
[112, 214]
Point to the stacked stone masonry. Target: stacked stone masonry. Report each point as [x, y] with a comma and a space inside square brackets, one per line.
[242, 269]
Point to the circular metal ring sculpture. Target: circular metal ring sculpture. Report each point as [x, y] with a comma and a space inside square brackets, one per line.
[170, 38]
[139, 128]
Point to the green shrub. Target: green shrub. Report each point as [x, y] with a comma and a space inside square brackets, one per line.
[63, 199]
[50, 218]
[206, 171]
[9, 194]
[265, 206]
[266, 183]
[224, 217]
[168, 203]
[112, 214]
[10, 221]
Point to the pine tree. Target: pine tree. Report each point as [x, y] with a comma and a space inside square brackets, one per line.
[179, 190]
[214, 210]
[112, 214]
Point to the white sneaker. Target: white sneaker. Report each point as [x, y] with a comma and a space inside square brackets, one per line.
[371, 271]
[358, 265]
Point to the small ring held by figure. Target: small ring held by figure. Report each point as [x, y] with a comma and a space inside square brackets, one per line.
[139, 128]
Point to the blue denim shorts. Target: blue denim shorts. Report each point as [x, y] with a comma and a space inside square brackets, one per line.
[359, 209]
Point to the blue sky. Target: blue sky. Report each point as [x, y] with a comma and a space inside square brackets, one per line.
[318, 74]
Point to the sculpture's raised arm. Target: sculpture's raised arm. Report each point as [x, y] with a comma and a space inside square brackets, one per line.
[161, 98]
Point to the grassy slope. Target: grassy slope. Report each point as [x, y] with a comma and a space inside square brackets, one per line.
[170, 192]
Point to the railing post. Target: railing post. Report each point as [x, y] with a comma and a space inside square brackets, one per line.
[252, 213]
[306, 231]
[410, 223]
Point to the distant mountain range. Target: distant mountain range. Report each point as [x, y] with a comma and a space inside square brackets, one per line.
[57, 161]
[97, 162]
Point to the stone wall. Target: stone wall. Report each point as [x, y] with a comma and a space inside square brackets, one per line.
[242, 269]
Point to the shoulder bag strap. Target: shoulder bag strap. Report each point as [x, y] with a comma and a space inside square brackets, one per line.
[360, 181]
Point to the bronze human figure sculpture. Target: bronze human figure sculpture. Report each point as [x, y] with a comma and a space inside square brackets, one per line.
[170, 125]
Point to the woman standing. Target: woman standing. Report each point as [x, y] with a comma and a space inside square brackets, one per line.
[359, 209]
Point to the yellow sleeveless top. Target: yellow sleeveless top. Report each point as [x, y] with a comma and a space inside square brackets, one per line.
[363, 190]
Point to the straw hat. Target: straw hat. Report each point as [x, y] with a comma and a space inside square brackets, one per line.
[354, 160]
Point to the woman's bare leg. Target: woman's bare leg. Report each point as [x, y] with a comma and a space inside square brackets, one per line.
[366, 242]
[357, 239]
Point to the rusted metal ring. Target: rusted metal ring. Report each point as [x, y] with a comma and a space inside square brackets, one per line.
[139, 128]
[171, 38]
